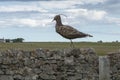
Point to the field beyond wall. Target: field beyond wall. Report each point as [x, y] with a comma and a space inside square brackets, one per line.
[100, 48]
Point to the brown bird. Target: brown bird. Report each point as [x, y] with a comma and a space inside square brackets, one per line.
[67, 31]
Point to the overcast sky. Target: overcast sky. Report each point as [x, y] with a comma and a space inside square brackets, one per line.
[31, 19]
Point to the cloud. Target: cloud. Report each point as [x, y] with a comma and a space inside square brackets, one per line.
[97, 15]
[93, 1]
[83, 1]
[65, 4]
[48, 9]
[58, 4]
[88, 14]
[1, 22]
[21, 0]
[106, 33]
[33, 22]
[110, 6]
[19, 8]
[26, 22]
[113, 20]
[39, 5]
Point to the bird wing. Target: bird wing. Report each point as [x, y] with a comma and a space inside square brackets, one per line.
[70, 32]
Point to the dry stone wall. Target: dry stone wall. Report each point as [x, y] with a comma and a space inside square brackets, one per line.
[114, 59]
[67, 64]
[43, 64]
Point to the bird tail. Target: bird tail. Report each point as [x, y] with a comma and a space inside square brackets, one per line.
[89, 35]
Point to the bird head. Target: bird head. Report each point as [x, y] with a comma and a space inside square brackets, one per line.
[57, 17]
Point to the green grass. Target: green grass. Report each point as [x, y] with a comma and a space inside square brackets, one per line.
[100, 48]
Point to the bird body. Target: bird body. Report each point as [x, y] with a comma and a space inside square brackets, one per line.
[67, 31]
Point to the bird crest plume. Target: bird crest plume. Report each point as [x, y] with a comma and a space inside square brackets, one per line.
[62, 15]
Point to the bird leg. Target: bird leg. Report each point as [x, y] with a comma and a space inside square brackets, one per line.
[71, 43]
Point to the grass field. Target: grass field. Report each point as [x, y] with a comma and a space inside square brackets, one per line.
[100, 48]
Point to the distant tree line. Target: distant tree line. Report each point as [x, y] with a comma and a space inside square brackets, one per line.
[112, 41]
[17, 40]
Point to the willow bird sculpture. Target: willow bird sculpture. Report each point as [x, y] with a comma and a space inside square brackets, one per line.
[67, 31]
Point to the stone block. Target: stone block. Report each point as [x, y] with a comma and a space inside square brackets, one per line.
[6, 77]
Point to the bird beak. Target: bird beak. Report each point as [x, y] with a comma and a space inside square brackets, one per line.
[52, 20]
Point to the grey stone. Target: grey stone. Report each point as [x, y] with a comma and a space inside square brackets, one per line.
[27, 61]
[41, 53]
[9, 72]
[28, 78]
[1, 72]
[6, 77]
[46, 76]
[104, 68]
[1, 54]
[69, 60]
[34, 77]
[37, 70]
[18, 77]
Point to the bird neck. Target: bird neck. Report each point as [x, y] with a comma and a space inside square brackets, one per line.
[59, 22]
